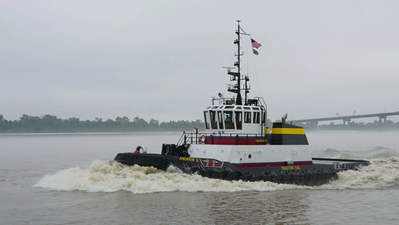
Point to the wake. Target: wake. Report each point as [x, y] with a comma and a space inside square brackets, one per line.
[112, 177]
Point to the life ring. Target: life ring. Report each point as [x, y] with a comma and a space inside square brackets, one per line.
[203, 138]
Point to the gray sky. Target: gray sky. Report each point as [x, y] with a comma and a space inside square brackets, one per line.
[164, 59]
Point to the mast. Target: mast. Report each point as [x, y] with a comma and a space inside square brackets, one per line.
[237, 75]
[239, 101]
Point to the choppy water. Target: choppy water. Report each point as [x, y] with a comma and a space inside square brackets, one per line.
[72, 179]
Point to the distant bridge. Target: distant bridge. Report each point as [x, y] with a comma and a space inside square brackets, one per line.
[347, 119]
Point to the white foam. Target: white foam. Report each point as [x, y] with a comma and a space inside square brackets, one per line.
[112, 176]
[381, 173]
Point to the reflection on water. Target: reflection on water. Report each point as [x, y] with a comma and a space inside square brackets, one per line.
[280, 207]
[247, 207]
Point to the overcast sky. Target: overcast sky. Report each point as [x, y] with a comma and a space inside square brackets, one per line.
[163, 59]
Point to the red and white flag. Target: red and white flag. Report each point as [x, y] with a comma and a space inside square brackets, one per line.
[255, 44]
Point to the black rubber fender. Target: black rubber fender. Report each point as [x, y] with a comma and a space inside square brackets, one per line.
[237, 175]
[194, 170]
[291, 178]
[309, 178]
[249, 177]
[334, 175]
[282, 178]
[272, 177]
[317, 177]
[211, 174]
[225, 175]
[325, 175]
[261, 177]
[300, 178]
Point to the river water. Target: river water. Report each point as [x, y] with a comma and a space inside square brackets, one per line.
[72, 179]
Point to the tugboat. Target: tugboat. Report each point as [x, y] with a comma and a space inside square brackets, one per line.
[238, 145]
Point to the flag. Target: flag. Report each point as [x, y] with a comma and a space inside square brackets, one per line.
[255, 52]
[255, 44]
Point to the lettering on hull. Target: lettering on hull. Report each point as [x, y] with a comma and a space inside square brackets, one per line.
[290, 167]
[188, 159]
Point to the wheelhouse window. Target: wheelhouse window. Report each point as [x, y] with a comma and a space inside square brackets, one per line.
[228, 121]
[256, 117]
[220, 119]
[206, 119]
[214, 125]
[247, 117]
[239, 120]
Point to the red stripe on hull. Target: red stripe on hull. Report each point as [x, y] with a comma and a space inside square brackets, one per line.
[303, 163]
[235, 141]
[272, 164]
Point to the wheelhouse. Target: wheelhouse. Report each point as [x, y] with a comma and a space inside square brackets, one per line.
[239, 119]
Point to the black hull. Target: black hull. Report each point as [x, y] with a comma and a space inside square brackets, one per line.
[320, 172]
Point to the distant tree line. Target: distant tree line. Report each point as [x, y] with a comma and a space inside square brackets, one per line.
[375, 125]
[52, 124]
